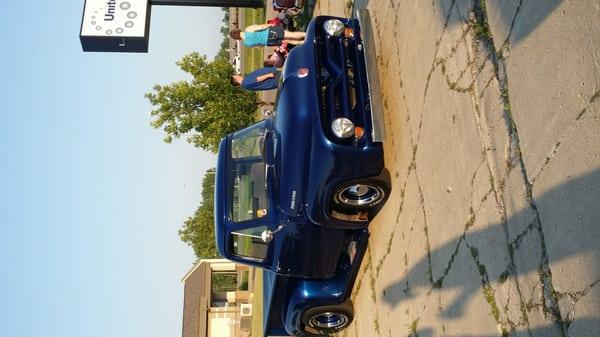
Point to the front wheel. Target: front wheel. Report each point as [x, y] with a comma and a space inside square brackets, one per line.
[328, 319]
[360, 195]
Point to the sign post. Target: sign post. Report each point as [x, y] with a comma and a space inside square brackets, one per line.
[124, 25]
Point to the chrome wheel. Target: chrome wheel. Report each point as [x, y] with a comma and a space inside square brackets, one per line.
[329, 320]
[360, 195]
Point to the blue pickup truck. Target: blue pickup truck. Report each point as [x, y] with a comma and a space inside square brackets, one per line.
[294, 194]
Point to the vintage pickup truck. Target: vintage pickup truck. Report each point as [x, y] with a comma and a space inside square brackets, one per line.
[294, 194]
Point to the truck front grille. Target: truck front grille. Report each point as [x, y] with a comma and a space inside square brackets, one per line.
[342, 92]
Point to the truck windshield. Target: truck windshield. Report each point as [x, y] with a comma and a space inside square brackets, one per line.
[249, 196]
[248, 243]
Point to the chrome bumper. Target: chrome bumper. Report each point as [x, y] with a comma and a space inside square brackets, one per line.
[375, 96]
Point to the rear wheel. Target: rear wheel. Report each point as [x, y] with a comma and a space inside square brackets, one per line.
[328, 319]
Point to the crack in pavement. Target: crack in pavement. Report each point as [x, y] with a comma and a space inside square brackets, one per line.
[487, 290]
[373, 292]
[425, 227]
[575, 297]
[437, 47]
[576, 122]
[515, 155]
[385, 255]
[467, 225]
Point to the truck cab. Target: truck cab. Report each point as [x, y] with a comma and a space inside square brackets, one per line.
[294, 194]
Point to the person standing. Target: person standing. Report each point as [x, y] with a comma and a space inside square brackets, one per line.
[274, 60]
[260, 79]
[266, 35]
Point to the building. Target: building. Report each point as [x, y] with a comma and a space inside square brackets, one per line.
[216, 300]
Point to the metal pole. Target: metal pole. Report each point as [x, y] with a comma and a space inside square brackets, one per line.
[210, 3]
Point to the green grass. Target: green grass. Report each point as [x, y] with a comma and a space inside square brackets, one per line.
[253, 57]
[244, 282]
[257, 304]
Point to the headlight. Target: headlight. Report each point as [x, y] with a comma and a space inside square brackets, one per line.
[342, 127]
[333, 27]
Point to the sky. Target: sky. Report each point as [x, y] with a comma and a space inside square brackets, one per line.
[91, 198]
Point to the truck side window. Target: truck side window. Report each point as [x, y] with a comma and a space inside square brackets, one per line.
[249, 196]
[248, 243]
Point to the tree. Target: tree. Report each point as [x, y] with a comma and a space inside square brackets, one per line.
[207, 108]
[198, 231]
[224, 48]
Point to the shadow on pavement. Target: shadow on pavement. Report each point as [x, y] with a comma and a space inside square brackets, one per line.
[545, 331]
[519, 17]
[567, 229]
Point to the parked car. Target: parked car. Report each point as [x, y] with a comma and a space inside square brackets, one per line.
[295, 193]
[237, 64]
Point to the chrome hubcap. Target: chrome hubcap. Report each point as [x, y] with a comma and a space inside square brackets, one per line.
[329, 320]
[360, 194]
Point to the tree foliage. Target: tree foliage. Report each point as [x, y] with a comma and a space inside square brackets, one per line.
[198, 231]
[206, 108]
[224, 47]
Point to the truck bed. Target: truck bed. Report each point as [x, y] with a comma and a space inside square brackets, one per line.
[283, 293]
[275, 290]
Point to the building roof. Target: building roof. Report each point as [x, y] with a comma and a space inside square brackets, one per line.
[196, 300]
[199, 262]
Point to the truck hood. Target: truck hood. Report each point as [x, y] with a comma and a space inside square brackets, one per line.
[297, 109]
[297, 114]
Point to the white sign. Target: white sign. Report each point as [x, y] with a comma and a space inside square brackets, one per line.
[115, 25]
[114, 17]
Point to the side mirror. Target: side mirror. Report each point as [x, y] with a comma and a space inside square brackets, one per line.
[266, 236]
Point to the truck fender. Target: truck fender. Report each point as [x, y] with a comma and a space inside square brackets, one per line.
[309, 294]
